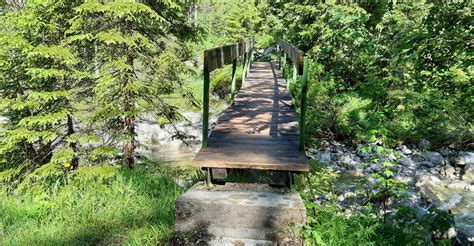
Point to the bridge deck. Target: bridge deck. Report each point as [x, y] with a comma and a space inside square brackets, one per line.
[260, 131]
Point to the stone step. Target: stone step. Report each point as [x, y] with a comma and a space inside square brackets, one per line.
[247, 212]
[249, 242]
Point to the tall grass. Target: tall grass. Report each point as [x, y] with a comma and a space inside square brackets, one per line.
[93, 205]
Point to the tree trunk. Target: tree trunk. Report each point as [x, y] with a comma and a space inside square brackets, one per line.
[73, 145]
[129, 150]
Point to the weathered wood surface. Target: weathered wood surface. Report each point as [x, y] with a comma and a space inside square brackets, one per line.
[296, 55]
[218, 57]
[260, 131]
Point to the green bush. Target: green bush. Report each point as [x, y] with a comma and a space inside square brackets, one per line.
[390, 67]
[264, 41]
[366, 221]
[221, 81]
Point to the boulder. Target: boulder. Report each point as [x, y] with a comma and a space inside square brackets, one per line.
[324, 157]
[468, 175]
[434, 157]
[450, 172]
[427, 164]
[465, 158]
[424, 144]
[348, 162]
[405, 161]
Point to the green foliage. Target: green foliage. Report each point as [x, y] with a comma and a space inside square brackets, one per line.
[221, 80]
[37, 84]
[86, 63]
[368, 220]
[106, 204]
[136, 62]
[226, 22]
[384, 66]
[327, 224]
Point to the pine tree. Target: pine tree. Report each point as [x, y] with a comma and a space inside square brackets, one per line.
[37, 82]
[135, 61]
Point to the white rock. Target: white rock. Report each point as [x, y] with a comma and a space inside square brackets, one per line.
[405, 150]
[425, 179]
[450, 171]
[457, 185]
[465, 158]
[468, 175]
[404, 179]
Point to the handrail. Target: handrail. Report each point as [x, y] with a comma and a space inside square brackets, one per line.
[296, 55]
[216, 58]
[300, 67]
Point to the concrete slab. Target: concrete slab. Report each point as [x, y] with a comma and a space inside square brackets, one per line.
[255, 214]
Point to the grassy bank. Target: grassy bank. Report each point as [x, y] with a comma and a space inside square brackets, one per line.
[93, 205]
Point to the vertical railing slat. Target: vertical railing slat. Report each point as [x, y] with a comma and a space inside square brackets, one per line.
[205, 102]
[244, 67]
[304, 92]
[234, 72]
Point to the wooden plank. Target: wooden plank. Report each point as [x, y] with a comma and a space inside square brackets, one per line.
[256, 138]
[218, 57]
[260, 131]
[237, 142]
[250, 163]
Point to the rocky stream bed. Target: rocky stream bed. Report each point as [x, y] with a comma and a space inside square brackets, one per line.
[442, 178]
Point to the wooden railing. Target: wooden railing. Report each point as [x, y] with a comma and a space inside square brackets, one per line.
[300, 68]
[216, 58]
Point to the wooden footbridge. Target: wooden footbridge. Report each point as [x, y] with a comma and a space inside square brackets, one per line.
[261, 129]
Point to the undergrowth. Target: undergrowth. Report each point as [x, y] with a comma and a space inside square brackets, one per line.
[331, 223]
[92, 205]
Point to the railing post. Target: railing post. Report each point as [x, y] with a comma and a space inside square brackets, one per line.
[234, 70]
[284, 65]
[244, 67]
[304, 91]
[205, 102]
[249, 63]
[279, 57]
[295, 73]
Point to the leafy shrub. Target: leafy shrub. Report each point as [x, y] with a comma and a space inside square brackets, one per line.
[391, 67]
[221, 81]
[366, 221]
[330, 226]
[264, 41]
